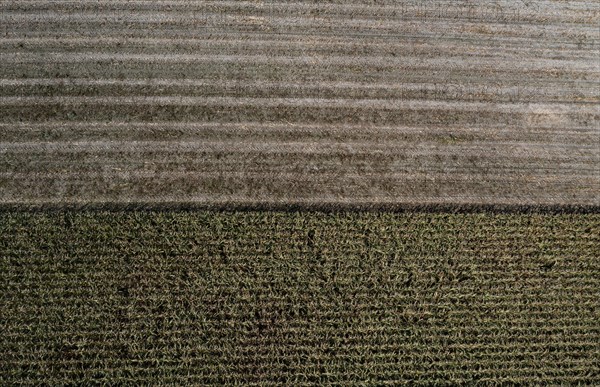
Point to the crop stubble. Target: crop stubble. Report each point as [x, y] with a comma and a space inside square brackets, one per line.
[264, 102]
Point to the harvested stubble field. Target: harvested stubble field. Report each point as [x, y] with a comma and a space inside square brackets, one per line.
[276, 298]
[218, 102]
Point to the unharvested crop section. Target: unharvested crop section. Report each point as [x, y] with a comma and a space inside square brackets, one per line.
[276, 298]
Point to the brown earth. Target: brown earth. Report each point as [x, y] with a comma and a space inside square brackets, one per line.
[262, 102]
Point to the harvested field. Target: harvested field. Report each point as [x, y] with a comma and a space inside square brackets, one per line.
[272, 298]
[299, 103]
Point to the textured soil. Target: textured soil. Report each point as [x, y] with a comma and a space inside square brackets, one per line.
[299, 102]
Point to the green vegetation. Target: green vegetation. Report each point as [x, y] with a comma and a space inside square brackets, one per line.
[298, 298]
